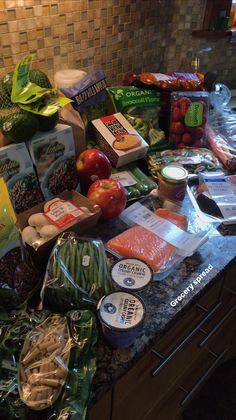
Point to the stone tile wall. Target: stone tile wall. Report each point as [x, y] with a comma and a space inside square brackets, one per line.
[117, 35]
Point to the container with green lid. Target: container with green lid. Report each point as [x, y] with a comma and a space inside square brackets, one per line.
[173, 182]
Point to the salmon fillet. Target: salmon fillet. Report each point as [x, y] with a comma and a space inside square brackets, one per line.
[139, 242]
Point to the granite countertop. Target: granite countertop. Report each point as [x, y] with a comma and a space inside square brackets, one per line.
[219, 251]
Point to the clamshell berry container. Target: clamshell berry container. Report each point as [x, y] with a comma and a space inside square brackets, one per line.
[121, 315]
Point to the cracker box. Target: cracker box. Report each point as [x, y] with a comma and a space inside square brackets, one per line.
[120, 141]
[53, 154]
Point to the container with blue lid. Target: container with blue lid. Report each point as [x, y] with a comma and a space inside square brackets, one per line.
[130, 274]
[121, 315]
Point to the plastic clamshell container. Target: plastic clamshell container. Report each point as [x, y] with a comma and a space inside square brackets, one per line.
[194, 225]
[188, 118]
[130, 274]
[121, 315]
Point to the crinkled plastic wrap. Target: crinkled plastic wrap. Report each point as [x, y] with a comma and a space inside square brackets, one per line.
[221, 135]
[193, 159]
[47, 365]
[76, 274]
[173, 81]
[138, 241]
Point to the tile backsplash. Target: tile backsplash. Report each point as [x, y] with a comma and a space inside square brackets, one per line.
[119, 36]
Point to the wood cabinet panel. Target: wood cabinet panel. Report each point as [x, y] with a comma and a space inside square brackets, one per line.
[102, 409]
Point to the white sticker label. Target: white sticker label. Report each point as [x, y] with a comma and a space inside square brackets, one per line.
[86, 260]
[218, 186]
[222, 192]
[63, 214]
[187, 243]
[125, 178]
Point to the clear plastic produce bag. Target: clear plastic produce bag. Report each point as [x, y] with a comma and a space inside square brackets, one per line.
[47, 365]
[76, 275]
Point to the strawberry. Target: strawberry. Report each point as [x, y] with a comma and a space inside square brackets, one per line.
[176, 114]
[187, 138]
[181, 145]
[177, 128]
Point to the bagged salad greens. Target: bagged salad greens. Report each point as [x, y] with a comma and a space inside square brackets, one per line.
[18, 277]
[193, 159]
[47, 364]
[76, 274]
[141, 108]
[89, 95]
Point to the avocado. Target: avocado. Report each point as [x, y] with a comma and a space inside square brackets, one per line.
[35, 76]
[39, 78]
[20, 126]
[47, 123]
[5, 100]
[7, 84]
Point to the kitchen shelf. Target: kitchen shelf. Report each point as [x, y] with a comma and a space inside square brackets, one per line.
[211, 34]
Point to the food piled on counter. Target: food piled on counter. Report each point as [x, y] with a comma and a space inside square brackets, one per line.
[58, 279]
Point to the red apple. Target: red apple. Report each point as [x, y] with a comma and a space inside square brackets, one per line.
[92, 164]
[110, 195]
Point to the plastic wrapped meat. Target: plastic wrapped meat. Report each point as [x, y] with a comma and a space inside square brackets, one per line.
[140, 243]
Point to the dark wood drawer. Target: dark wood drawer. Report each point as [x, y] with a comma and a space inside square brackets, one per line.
[181, 393]
[102, 409]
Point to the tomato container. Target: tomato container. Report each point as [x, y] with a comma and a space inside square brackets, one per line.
[188, 118]
[121, 315]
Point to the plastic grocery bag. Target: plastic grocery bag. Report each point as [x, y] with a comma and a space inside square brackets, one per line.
[47, 365]
[76, 274]
[18, 276]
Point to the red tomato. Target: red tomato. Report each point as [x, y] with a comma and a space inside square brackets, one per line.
[184, 104]
[110, 195]
[176, 114]
[197, 143]
[198, 133]
[175, 138]
[177, 128]
[187, 138]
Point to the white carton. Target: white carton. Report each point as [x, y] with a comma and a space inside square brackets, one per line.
[120, 141]
[53, 154]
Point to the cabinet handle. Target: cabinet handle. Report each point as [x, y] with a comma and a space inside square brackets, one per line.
[195, 388]
[183, 342]
[217, 326]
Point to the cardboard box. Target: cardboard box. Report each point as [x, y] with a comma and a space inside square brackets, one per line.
[53, 154]
[16, 167]
[41, 255]
[120, 141]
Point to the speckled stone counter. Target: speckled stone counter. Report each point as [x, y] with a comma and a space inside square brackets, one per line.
[219, 251]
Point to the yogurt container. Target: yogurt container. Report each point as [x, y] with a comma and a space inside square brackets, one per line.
[121, 315]
[130, 274]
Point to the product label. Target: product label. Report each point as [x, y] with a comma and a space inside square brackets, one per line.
[185, 242]
[64, 214]
[194, 115]
[131, 273]
[222, 192]
[121, 310]
[125, 178]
